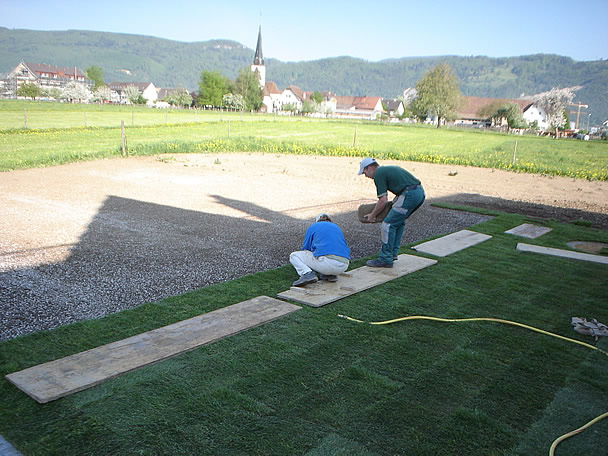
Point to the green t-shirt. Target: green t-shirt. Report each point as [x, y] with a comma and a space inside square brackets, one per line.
[393, 179]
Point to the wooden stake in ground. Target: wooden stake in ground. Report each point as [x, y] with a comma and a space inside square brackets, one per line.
[124, 137]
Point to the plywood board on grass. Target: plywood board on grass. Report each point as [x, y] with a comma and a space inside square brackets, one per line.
[528, 230]
[562, 253]
[451, 243]
[321, 293]
[59, 378]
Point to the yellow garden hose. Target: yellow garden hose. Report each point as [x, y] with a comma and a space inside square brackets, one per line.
[508, 322]
[576, 431]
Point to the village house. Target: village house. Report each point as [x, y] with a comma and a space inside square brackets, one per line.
[293, 96]
[369, 108]
[145, 89]
[394, 108]
[273, 98]
[46, 76]
[476, 111]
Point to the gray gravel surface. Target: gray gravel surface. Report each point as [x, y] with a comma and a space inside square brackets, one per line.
[85, 240]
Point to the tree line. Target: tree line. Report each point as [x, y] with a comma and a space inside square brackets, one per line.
[217, 90]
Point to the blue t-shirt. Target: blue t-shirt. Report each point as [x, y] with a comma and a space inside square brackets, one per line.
[326, 238]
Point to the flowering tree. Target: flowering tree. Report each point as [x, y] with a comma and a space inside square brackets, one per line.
[102, 93]
[132, 94]
[554, 103]
[76, 92]
[234, 101]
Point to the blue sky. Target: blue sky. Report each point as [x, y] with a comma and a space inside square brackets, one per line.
[371, 30]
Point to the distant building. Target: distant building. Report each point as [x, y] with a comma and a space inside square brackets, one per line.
[45, 76]
[145, 89]
[273, 98]
[358, 107]
[476, 111]
[394, 108]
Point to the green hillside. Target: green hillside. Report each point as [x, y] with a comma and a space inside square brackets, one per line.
[169, 63]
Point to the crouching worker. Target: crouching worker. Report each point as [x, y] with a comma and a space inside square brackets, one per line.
[324, 251]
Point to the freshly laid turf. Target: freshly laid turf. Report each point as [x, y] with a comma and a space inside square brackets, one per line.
[312, 383]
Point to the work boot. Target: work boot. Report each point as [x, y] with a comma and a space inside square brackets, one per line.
[379, 264]
[305, 279]
[328, 277]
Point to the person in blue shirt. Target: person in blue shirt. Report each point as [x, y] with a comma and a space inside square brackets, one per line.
[324, 251]
[409, 196]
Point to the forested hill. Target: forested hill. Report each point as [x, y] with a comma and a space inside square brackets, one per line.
[169, 63]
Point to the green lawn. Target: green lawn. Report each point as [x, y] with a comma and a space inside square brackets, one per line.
[63, 138]
[312, 383]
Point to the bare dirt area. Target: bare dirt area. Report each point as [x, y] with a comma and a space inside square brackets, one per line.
[83, 240]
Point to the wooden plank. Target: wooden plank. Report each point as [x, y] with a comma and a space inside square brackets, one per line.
[321, 293]
[59, 378]
[452, 243]
[529, 231]
[562, 253]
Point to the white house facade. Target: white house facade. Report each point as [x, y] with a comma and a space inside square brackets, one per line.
[536, 114]
[145, 89]
[292, 95]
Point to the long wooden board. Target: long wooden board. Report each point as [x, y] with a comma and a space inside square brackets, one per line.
[451, 243]
[562, 253]
[59, 378]
[321, 293]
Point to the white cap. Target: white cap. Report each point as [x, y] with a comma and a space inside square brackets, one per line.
[322, 215]
[365, 163]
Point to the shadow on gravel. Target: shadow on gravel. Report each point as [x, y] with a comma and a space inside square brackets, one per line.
[135, 252]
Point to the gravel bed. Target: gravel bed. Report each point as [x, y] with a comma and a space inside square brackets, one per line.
[130, 256]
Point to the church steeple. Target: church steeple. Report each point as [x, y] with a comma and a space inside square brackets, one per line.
[258, 59]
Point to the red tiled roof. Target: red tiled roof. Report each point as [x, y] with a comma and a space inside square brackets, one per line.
[52, 69]
[348, 102]
[297, 91]
[271, 87]
[478, 107]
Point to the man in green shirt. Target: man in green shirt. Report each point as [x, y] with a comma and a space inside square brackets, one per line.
[409, 197]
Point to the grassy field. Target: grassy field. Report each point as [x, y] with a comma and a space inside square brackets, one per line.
[312, 383]
[61, 137]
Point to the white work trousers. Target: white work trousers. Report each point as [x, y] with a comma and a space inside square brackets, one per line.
[304, 261]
